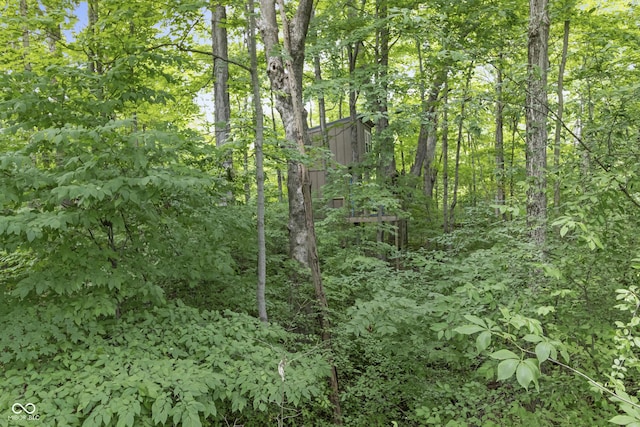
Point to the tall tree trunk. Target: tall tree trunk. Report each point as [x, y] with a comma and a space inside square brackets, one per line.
[430, 167]
[512, 156]
[499, 142]
[247, 185]
[259, 117]
[286, 81]
[427, 138]
[387, 157]
[456, 179]
[275, 135]
[536, 120]
[352, 53]
[24, 14]
[426, 148]
[474, 180]
[95, 62]
[558, 132]
[222, 107]
[421, 149]
[445, 158]
[283, 83]
[219, 48]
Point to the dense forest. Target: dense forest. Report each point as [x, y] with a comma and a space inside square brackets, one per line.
[181, 243]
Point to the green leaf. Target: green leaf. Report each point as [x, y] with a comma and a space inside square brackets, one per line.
[125, 419]
[476, 320]
[623, 420]
[504, 354]
[160, 409]
[506, 368]
[524, 375]
[543, 350]
[543, 311]
[191, 418]
[483, 340]
[469, 329]
[532, 338]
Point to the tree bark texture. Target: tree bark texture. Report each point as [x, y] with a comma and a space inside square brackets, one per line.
[430, 168]
[95, 63]
[427, 138]
[421, 149]
[536, 119]
[387, 157]
[284, 100]
[220, 50]
[286, 82]
[259, 117]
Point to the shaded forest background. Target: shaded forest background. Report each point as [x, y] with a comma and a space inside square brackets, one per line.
[142, 144]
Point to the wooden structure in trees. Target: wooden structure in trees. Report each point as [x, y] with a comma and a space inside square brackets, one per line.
[345, 152]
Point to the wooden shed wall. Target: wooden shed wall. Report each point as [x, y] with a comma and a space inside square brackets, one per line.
[318, 179]
[339, 137]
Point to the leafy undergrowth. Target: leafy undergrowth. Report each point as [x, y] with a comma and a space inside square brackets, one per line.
[174, 365]
[463, 335]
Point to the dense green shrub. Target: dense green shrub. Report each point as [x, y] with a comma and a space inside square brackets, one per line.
[162, 366]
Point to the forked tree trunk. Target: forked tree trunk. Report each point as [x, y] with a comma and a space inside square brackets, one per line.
[286, 82]
[536, 120]
[427, 138]
[426, 149]
[282, 83]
